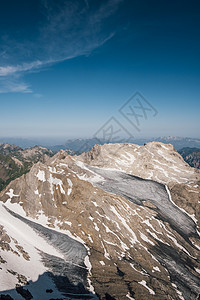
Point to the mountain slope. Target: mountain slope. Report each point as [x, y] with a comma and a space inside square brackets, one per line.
[11, 168]
[132, 237]
[14, 161]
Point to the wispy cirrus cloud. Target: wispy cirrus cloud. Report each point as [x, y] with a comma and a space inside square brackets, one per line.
[10, 70]
[11, 85]
[69, 29]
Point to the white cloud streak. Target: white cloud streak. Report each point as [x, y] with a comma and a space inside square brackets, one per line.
[10, 70]
[71, 29]
[10, 85]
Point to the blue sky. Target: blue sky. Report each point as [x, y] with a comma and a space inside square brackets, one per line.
[66, 67]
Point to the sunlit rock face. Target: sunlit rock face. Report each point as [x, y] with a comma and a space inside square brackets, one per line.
[156, 161]
[118, 222]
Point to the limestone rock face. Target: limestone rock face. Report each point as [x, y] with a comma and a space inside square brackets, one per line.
[155, 160]
[118, 222]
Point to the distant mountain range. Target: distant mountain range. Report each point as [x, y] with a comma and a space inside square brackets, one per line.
[80, 145]
[21, 142]
[84, 145]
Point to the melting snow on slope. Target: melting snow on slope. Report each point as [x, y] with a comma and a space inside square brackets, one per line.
[11, 194]
[41, 176]
[156, 269]
[145, 238]
[126, 159]
[129, 296]
[70, 186]
[178, 292]
[56, 182]
[170, 198]
[23, 232]
[89, 267]
[32, 243]
[27, 237]
[143, 282]
[123, 221]
[92, 178]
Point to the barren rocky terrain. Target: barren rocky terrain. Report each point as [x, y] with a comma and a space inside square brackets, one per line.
[118, 222]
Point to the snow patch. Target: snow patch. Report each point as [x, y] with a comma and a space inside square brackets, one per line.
[89, 267]
[129, 296]
[36, 192]
[55, 181]
[178, 292]
[96, 227]
[156, 269]
[106, 254]
[145, 238]
[70, 186]
[89, 237]
[41, 176]
[68, 223]
[11, 194]
[133, 238]
[143, 282]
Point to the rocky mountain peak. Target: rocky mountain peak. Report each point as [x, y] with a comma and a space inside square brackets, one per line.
[7, 148]
[154, 160]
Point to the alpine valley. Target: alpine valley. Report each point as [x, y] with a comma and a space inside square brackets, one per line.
[118, 222]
